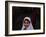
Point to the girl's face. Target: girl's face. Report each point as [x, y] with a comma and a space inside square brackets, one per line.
[26, 23]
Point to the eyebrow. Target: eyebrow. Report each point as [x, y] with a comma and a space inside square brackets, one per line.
[26, 20]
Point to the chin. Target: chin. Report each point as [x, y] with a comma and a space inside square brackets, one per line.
[26, 25]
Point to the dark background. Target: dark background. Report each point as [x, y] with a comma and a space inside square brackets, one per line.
[18, 14]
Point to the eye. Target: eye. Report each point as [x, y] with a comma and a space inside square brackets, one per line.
[26, 22]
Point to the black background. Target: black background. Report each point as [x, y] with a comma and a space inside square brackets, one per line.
[18, 14]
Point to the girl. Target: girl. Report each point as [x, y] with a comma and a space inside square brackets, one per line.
[27, 24]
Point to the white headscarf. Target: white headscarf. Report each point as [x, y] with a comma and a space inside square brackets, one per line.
[30, 27]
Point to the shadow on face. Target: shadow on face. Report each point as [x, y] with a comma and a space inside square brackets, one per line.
[26, 22]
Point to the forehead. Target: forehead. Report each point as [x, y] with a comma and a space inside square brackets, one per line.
[26, 20]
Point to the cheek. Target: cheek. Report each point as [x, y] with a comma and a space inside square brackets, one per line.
[26, 23]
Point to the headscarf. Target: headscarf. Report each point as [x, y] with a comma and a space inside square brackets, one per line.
[30, 27]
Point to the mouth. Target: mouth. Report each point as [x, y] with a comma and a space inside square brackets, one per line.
[26, 25]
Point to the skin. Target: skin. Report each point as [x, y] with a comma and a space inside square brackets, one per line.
[26, 23]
